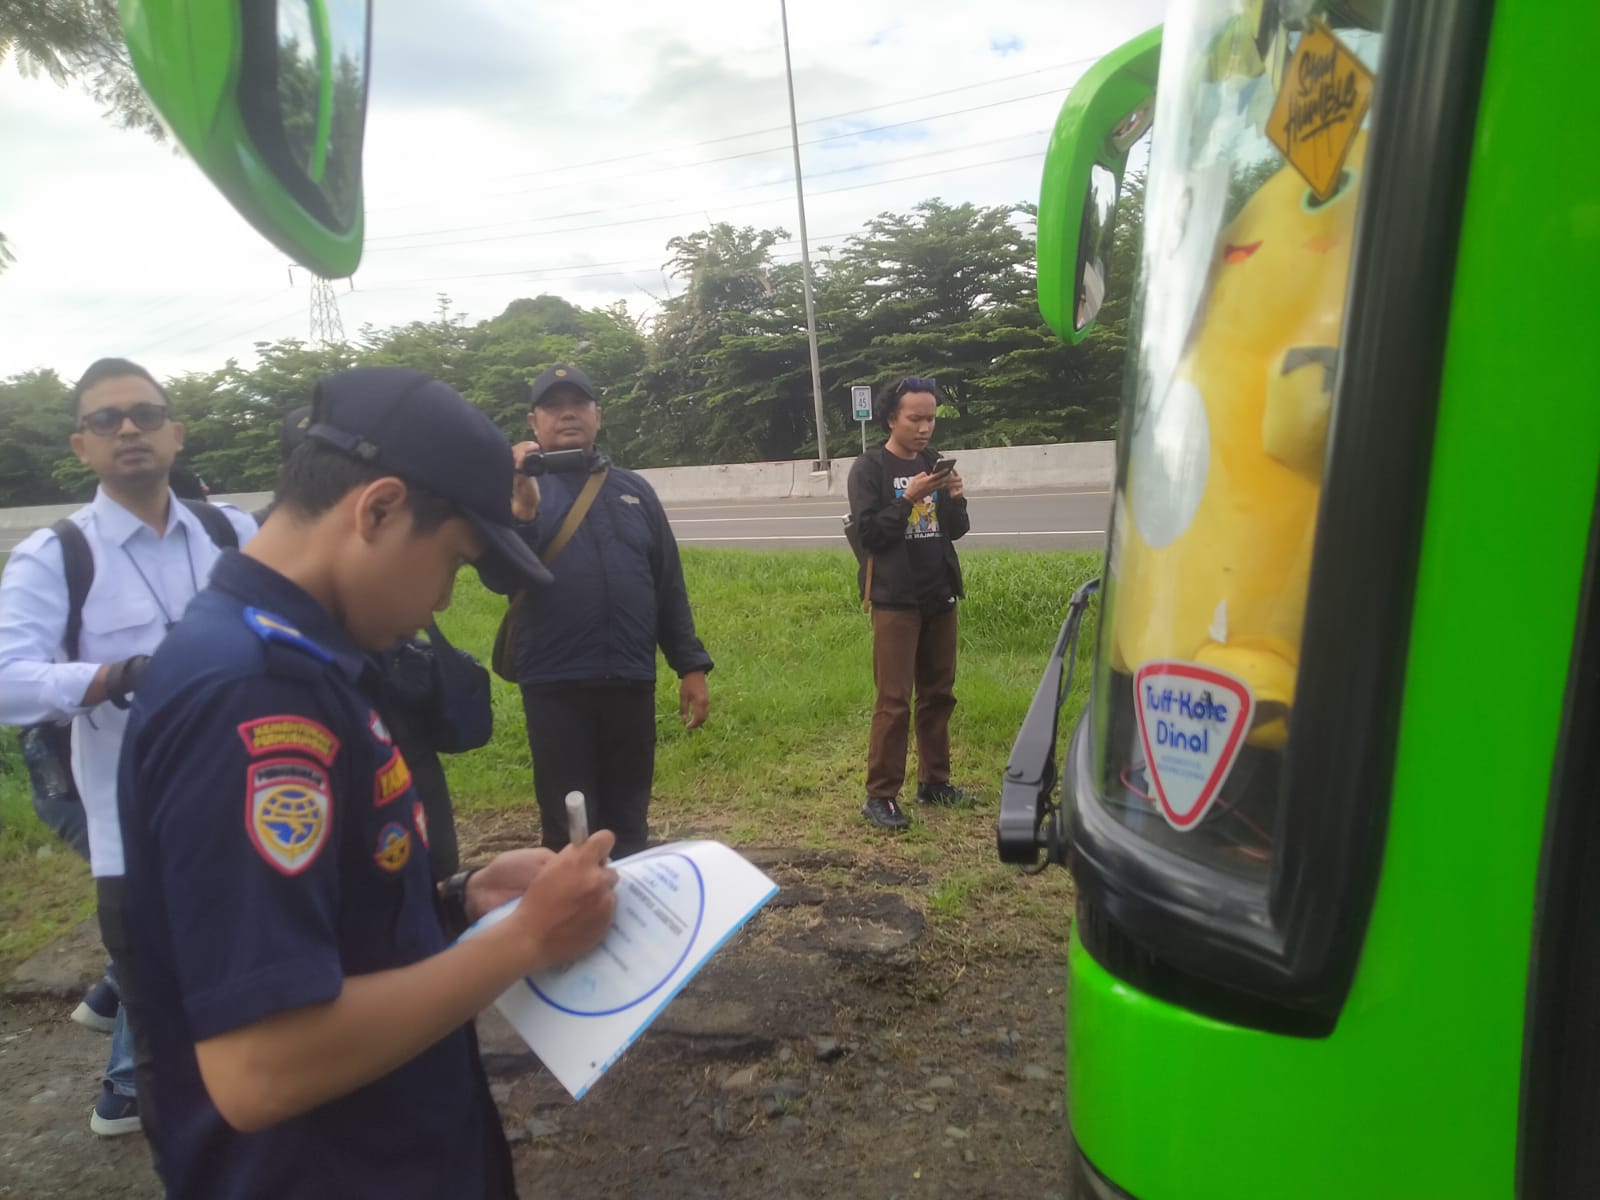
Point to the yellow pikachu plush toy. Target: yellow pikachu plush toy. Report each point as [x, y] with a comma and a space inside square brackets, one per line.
[1214, 570]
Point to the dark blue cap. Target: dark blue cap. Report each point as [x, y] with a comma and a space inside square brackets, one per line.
[294, 430]
[560, 375]
[412, 425]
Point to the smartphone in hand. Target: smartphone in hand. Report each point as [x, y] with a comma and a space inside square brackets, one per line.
[943, 466]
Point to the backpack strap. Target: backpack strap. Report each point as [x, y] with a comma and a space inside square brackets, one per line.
[218, 528]
[77, 562]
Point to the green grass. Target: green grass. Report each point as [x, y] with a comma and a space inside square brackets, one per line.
[792, 693]
[782, 759]
[44, 887]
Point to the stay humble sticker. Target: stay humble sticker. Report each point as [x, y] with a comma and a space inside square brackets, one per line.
[1192, 720]
[1319, 108]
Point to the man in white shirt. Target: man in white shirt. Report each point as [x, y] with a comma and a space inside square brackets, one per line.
[151, 555]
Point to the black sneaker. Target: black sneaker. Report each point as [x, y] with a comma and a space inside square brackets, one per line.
[884, 813]
[946, 795]
[98, 1008]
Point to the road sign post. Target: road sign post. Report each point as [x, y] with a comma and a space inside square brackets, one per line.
[861, 406]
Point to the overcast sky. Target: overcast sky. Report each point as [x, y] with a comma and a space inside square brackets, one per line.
[515, 148]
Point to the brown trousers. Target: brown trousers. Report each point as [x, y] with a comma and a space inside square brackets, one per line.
[911, 650]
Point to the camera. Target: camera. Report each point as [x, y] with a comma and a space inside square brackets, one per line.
[560, 462]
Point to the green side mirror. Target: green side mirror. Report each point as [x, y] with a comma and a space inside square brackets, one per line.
[1108, 110]
[270, 98]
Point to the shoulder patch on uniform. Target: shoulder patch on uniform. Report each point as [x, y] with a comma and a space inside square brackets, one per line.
[419, 818]
[289, 731]
[288, 812]
[394, 847]
[392, 780]
[629, 498]
[379, 729]
[272, 628]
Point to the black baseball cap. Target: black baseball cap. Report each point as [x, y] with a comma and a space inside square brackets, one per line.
[294, 430]
[561, 375]
[424, 431]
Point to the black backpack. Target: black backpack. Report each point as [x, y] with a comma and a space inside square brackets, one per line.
[48, 741]
[78, 562]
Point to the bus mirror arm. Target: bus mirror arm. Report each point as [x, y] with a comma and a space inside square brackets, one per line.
[1030, 818]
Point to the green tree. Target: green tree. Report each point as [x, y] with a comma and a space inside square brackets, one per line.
[34, 428]
[76, 42]
[689, 401]
[233, 417]
[511, 349]
[723, 373]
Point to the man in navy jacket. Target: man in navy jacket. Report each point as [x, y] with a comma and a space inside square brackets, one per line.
[585, 647]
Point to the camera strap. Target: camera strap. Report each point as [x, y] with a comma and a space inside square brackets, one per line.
[575, 515]
[503, 659]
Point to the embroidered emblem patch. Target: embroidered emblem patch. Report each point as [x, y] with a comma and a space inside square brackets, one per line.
[392, 780]
[379, 729]
[394, 847]
[420, 819]
[288, 812]
[629, 498]
[288, 731]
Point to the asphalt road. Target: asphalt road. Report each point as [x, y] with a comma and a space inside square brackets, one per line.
[1036, 520]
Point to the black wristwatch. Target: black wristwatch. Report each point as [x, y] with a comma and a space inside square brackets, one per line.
[453, 902]
[123, 677]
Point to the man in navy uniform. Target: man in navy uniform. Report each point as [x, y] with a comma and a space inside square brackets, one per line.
[305, 1022]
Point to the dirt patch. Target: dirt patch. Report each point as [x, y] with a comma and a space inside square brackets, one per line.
[832, 1049]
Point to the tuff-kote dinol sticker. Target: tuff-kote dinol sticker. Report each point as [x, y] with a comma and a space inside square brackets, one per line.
[1192, 720]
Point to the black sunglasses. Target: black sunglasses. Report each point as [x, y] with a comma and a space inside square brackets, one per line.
[912, 384]
[147, 418]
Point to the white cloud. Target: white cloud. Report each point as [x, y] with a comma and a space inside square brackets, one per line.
[514, 149]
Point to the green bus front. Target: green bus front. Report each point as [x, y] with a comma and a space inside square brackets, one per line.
[1332, 807]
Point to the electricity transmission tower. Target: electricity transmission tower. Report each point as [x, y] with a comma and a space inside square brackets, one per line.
[326, 327]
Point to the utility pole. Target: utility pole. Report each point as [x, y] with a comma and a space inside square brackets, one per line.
[805, 247]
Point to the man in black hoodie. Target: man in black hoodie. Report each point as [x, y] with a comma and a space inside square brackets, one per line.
[909, 512]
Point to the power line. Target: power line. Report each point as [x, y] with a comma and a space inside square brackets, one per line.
[405, 285]
[747, 154]
[511, 237]
[747, 187]
[854, 112]
[187, 325]
[288, 316]
[426, 280]
[645, 220]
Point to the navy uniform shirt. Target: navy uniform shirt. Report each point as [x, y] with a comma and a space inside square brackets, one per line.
[274, 846]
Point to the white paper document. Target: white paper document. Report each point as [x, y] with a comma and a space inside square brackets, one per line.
[676, 905]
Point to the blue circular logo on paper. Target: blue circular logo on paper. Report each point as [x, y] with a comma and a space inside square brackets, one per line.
[661, 902]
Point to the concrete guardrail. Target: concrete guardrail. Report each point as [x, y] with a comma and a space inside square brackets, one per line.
[997, 469]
